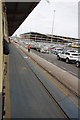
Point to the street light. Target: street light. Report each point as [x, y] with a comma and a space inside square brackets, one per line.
[53, 23]
[48, 1]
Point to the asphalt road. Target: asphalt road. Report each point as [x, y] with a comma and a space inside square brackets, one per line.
[28, 97]
[71, 68]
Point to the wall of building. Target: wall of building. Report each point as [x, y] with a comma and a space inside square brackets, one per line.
[1, 47]
[3, 34]
[1, 58]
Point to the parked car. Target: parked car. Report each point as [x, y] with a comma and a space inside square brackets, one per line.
[68, 56]
[78, 62]
[58, 50]
[44, 50]
[72, 50]
[76, 45]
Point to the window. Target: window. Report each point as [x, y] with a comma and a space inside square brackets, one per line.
[67, 53]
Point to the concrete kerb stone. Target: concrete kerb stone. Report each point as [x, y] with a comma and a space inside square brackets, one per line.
[63, 76]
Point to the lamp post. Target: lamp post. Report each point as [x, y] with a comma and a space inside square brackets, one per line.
[48, 1]
[53, 23]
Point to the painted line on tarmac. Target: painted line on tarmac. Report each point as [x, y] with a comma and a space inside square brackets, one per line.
[72, 73]
[26, 57]
[8, 102]
[55, 63]
[63, 68]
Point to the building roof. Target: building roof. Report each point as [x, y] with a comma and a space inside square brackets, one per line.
[17, 13]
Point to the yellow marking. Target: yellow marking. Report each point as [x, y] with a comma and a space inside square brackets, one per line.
[23, 68]
[8, 105]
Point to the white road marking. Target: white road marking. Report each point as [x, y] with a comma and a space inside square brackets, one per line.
[63, 68]
[25, 57]
[72, 73]
[55, 63]
[64, 71]
[50, 71]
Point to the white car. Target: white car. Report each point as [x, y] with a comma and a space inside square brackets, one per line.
[57, 50]
[78, 62]
[72, 50]
[68, 56]
[44, 50]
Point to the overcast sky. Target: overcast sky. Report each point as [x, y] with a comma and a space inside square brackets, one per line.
[64, 21]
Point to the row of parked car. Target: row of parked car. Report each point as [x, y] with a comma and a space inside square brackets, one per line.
[63, 52]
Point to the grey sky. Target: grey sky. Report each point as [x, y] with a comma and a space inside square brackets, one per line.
[42, 17]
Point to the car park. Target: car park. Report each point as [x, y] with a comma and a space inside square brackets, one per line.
[68, 56]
